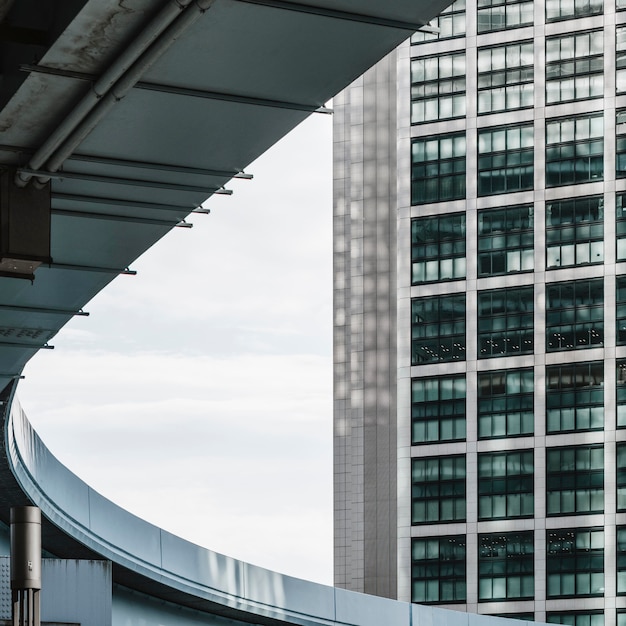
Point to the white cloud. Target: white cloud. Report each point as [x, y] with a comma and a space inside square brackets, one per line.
[206, 380]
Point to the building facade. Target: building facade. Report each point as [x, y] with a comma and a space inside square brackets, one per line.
[480, 315]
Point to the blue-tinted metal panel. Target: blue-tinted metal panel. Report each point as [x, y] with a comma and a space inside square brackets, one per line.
[358, 608]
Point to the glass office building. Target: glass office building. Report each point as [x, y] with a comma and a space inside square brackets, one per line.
[480, 315]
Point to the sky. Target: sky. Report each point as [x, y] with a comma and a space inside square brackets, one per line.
[198, 394]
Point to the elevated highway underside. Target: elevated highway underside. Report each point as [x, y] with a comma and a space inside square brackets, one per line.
[119, 118]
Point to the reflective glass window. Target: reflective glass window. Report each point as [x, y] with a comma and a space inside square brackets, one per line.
[574, 150]
[438, 168]
[620, 213]
[506, 566]
[574, 315]
[620, 310]
[621, 476]
[621, 568]
[438, 328]
[505, 159]
[621, 393]
[575, 397]
[438, 248]
[438, 569]
[505, 240]
[575, 480]
[574, 232]
[502, 14]
[576, 618]
[620, 57]
[437, 87]
[505, 77]
[505, 322]
[438, 409]
[620, 145]
[568, 9]
[506, 403]
[438, 489]
[574, 66]
[505, 484]
[575, 563]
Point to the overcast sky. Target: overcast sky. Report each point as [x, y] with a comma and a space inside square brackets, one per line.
[198, 394]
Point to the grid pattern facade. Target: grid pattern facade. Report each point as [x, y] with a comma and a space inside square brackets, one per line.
[511, 309]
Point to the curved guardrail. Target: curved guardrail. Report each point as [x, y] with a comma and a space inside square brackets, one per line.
[153, 553]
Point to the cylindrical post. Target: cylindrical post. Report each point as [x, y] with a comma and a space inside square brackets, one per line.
[25, 564]
[25, 547]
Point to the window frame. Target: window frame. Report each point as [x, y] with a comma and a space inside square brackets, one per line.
[569, 485]
[506, 479]
[569, 564]
[447, 571]
[442, 500]
[443, 337]
[506, 572]
[580, 324]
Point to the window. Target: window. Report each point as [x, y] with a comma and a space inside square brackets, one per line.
[574, 315]
[574, 66]
[621, 476]
[620, 310]
[571, 618]
[575, 397]
[505, 484]
[620, 56]
[437, 88]
[620, 211]
[438, 568]
[505, 159]
[505, 240]
[438, 248]
[575, 480]
[568, 9]
[450, 23]
[621, 565]
[574, 232]
[505, 77]
[501, 15]
[620, 145]
[438, 489]
[438, 169]
[438, 328]
[506, 569]
[621, 393]
[505, 321]
[438, 409]
[505, 403]
[575, 563]
[574, 150]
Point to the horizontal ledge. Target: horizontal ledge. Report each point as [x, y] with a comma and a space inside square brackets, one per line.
[373, 20]
[116, 180]
[165, 167]
[230, 97]
[114, 218]
[134, 204]
[43, 310]
[187, 91]
[92, 268]
[25, 344]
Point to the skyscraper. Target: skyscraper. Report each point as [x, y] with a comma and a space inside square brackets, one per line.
[480, 315]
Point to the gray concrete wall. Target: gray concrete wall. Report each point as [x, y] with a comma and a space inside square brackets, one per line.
[365, 332]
